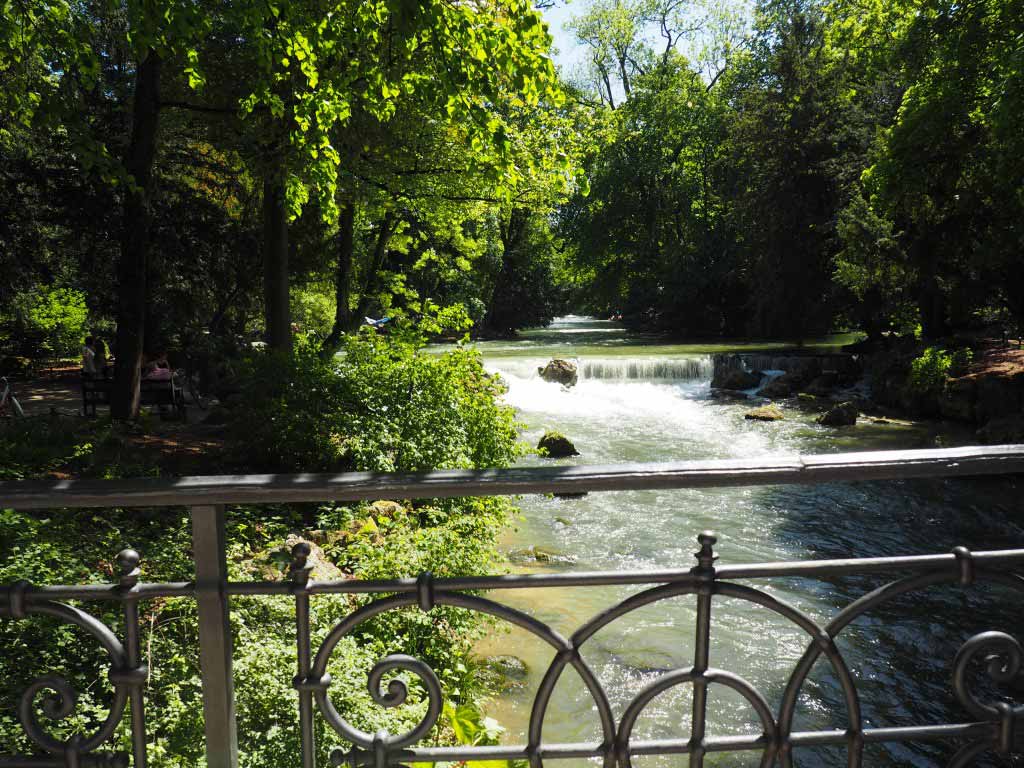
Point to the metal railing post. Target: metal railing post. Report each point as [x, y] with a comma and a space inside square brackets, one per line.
[208, 551]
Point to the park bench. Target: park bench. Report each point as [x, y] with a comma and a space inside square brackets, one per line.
[96, 391]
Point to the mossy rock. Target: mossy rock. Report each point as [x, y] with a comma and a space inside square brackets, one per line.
[842, 415]
[505, 672]
[823, 385]
[539, 555]
[765, 413]
[555, 445]
[563, 520]
[736, 379]
[560, 371]
[384, 508]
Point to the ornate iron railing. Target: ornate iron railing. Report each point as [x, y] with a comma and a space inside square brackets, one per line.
[990, 725]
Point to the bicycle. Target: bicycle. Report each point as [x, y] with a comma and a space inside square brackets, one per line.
[9, 404]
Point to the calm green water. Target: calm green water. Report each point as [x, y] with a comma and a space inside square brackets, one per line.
[638, 400]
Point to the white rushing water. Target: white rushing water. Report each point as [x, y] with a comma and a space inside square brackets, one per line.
[634, 405]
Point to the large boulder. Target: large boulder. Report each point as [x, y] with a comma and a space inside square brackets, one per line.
[562, 372]
[823, 385]
[505, 673]
[765, 413]
[1003, 430]
[785, 385]
[842, 415]
[555, 445]
[276, 563]
[735, 379]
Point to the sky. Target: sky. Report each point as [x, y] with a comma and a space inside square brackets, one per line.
[568, 53]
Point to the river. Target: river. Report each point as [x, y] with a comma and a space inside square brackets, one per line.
[642, 400]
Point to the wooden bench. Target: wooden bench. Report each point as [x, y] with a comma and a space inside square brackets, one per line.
[96, 391]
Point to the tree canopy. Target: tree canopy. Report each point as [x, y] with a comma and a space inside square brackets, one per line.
[836, 164]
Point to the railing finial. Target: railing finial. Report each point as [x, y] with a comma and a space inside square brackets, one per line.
[706, 556]
[965, 562]
[300, 568]
[128, 562]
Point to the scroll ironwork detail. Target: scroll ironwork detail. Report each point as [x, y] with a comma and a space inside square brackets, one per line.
[986, 662]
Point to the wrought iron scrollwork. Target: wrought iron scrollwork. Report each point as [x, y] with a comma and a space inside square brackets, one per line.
[60, 697]
[1002, 657]
[998, 656]
[777, 741]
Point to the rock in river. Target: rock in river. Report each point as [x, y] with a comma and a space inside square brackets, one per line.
[822, 385]
[842, 415]
[505, 672]
[559, 371]
[765, 413]
[782, 386]
[735, 379]
[555, 445]
[539, 554]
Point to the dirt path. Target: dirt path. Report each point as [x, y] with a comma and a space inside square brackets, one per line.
[999, 362]
[193, 447]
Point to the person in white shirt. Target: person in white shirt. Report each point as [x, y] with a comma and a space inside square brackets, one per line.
[88, 358]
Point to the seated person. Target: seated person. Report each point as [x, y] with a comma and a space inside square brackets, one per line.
[100, 350]
[156, 368]
[88, 358]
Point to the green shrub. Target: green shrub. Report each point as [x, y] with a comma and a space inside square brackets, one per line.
[384, 405]
[34, 446]
[40, 446]
[312, 309]
[46, 322]
[961, 362]
[263, 629]
[928, 373]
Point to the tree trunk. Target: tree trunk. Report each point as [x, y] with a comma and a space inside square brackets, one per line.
[496, 319]
[277, 312]
[342, 280]
[133, 264]
[380, 252]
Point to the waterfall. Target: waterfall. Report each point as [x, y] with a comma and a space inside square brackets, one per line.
[666, 369]
[612, 369]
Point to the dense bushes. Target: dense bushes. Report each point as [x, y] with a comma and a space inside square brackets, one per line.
[44, 322]
[263, 629]
[384, 405]
[929, 371]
